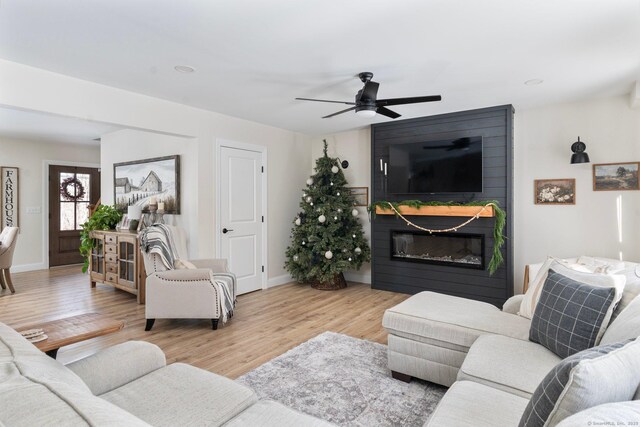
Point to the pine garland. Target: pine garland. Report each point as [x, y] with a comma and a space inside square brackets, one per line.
[497, 258]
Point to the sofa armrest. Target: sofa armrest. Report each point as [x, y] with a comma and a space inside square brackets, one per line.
[215, 265]
[118, 365]
[512, 305]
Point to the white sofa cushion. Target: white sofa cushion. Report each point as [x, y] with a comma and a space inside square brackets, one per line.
[599, 375]
[451, 322]
[468, 403]
[181, 394]
[625, 326]
[508, 364]
[267, 413]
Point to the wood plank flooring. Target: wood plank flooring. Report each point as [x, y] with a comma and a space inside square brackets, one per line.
[266, 324]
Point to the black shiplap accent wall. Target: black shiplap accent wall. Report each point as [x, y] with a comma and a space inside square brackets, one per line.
[495, 125]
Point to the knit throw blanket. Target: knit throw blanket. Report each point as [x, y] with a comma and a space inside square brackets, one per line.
[158, 239]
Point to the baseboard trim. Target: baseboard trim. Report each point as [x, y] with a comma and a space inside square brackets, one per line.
[354, 276]
[279, 280]
[28, 267]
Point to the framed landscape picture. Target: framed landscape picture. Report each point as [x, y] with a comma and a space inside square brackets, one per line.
[361, 195]
[616, 176]
[137, 182]
[554, 191]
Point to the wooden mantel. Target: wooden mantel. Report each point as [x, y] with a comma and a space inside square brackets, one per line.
[464, 211]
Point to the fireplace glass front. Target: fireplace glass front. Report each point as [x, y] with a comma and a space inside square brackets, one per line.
[453, 249]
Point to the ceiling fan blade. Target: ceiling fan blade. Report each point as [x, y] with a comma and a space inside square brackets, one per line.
[411, 100]
[324, 100]
[339, 112]
[369, 91]
[386, 112]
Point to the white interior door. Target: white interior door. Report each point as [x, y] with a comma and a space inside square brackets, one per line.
[241, 216]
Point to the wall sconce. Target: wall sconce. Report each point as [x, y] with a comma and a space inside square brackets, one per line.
[579, 156]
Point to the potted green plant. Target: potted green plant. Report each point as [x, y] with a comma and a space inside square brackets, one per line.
[104, 218]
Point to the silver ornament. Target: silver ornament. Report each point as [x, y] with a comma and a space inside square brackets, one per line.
[338, 193]
[349, 258]
[304, 243]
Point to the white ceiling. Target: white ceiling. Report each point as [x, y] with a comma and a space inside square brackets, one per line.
[253, 56]
[32, 126]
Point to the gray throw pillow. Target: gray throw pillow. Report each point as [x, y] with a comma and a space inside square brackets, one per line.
[570, 315]
[599, 375]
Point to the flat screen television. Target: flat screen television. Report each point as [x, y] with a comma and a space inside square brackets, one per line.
[447, 166]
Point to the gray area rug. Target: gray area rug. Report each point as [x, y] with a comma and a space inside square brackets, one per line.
[346, 381]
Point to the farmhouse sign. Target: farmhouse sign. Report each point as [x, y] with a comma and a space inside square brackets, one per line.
[9, 202]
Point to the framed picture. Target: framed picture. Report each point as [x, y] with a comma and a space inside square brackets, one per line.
[361, 194]
[141, 181]
[124, 223]
[9, 199]
[554, 191]
[616, 176]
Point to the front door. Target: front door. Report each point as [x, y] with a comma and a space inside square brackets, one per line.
[71, 191]
[241, 215]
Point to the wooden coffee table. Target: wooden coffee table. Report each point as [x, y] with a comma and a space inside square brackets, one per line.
[71, 330]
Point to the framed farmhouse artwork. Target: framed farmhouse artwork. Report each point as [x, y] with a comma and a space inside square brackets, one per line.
[554, 191]
[616, 176]
[9, 202]
[136, 182]
[361, 195]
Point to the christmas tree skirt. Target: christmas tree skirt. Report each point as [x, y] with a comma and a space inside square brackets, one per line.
[337, 282]
[345, 381]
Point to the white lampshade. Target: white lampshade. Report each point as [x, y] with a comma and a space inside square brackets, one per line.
[134, 212]
[366, 113]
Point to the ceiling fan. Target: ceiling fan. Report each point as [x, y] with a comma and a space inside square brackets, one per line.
[367, 105]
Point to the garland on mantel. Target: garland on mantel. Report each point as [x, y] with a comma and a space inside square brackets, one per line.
[498, 237]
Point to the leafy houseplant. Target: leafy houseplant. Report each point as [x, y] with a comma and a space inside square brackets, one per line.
[104, 218]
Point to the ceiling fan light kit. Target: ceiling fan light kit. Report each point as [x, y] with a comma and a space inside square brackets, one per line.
[367, 104]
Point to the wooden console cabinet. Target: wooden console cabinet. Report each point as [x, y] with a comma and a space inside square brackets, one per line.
[116, 260]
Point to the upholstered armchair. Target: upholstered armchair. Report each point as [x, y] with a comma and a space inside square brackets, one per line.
[194, 291]
[8, 239]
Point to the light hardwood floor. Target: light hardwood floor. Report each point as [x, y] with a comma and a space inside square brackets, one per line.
[266, 324]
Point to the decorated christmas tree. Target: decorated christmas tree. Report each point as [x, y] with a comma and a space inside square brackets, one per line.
[327, 236]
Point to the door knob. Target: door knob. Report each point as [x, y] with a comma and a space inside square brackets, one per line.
[226, 230]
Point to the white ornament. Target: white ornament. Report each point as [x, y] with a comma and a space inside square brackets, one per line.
[322, 219]
[304, 194]
[353, 235]
[358, 251]
[296, 258]
[349, 258]
[355, 212]
[310, 181]
[298, 221]
[331, 183]
[309, 199]
[339, 210]
[344, 251]
[311, 203]
[335, 218]
[338, 193]
[328, 255]
[335, 169]
[304, 243]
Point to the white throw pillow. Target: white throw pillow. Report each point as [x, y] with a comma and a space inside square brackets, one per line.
[602, 265]
[577, 272]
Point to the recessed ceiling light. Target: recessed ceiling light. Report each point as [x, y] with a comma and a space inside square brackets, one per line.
[184, 69]
[533, 82]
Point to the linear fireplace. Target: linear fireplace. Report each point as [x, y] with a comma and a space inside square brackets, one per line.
[453, 249]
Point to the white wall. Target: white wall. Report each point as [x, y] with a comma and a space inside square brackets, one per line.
[543, 137]
[30, 157]
[354, 146]
[43, 91]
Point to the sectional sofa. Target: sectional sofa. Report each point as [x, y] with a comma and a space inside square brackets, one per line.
[125, 385]
[484, 354]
